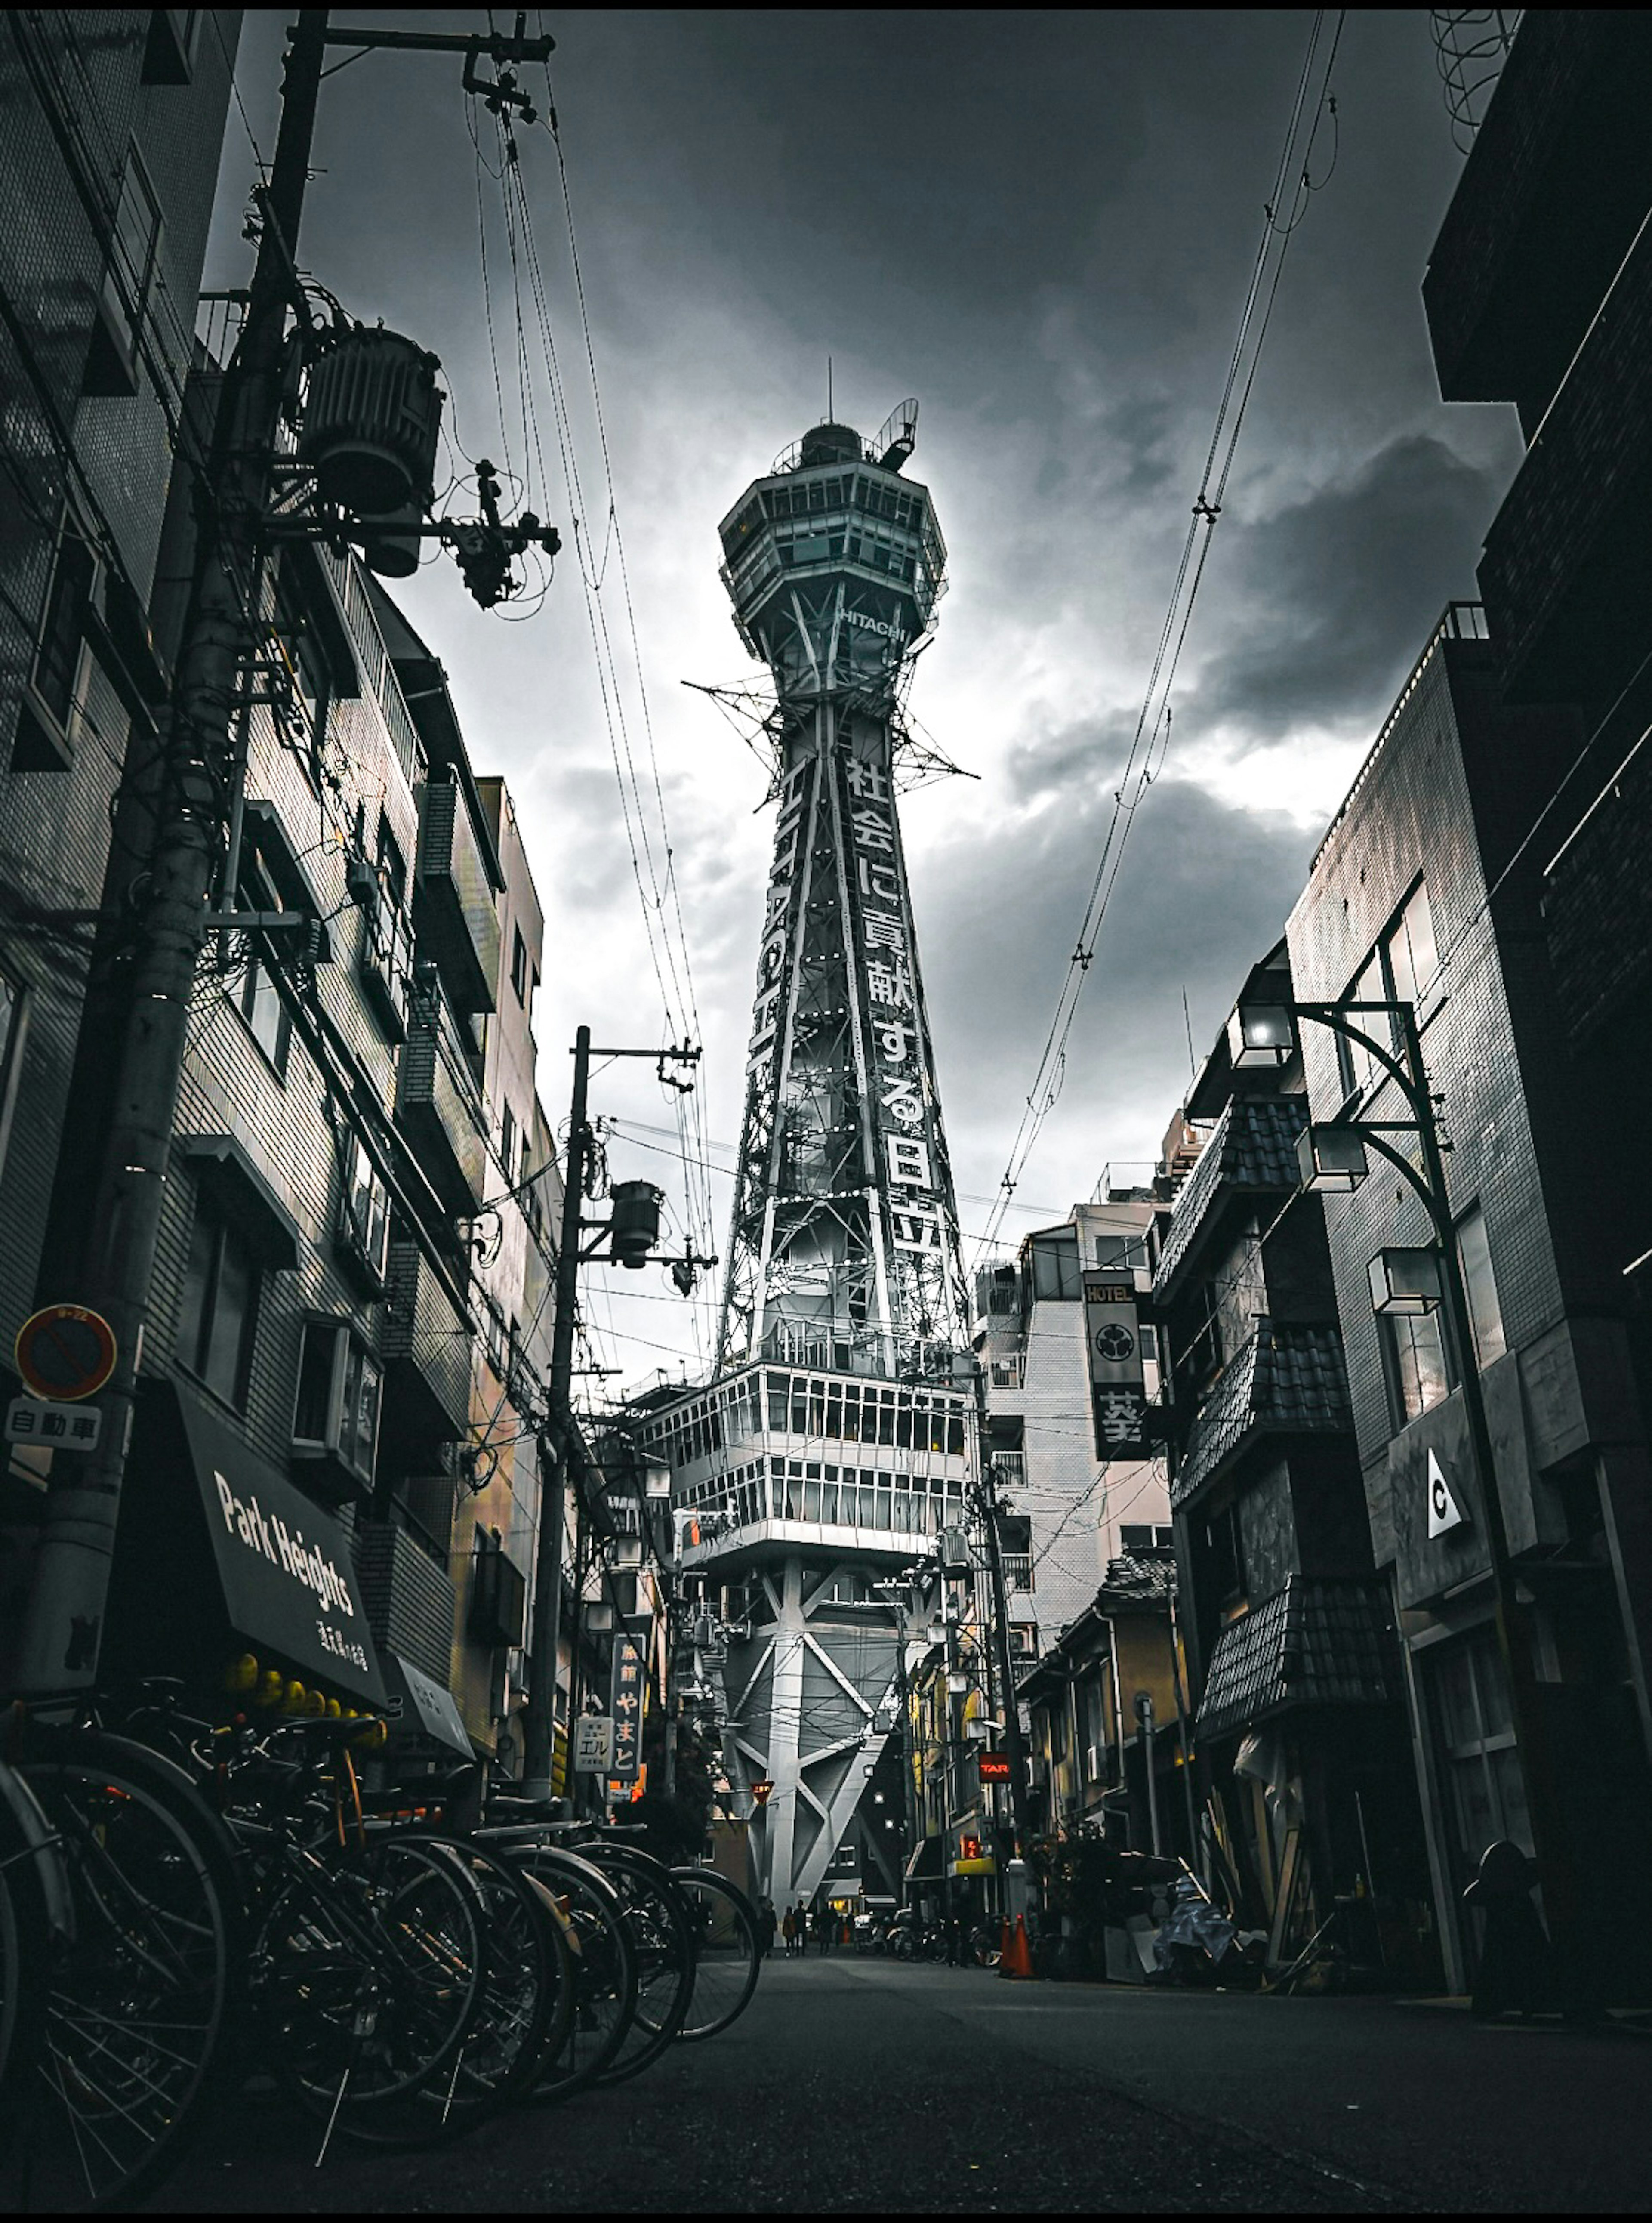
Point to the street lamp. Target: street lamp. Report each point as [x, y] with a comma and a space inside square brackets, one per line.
[1404, 1284]
[1407, 1283]
[1332, 1158]
[1260, 1035]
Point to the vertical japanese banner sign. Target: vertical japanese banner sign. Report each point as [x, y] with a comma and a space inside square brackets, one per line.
[1118, 1388]
[625, 1704]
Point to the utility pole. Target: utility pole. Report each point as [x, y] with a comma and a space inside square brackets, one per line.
[540, 1730]
[539, 1727]
[1012, 1716]
[58, 1655]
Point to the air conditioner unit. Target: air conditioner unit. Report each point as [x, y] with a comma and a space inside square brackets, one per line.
[336, 1413]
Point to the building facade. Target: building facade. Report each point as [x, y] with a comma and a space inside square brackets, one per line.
[1064, 1504]
[1426, 889]
[111, 125]
[1300, 1719]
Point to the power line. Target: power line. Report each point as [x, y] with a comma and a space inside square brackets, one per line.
[1152, 735]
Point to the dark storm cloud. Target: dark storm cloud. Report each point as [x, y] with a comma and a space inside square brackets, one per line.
[1337, 591]
[1202, 893]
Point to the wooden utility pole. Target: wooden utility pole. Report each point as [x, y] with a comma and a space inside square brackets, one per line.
[539, 1729]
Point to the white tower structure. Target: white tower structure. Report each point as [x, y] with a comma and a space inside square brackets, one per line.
[830, 1449]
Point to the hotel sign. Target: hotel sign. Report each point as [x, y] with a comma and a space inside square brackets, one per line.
[1118, 1383]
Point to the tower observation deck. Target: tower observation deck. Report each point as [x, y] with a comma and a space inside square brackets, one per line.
[828, 1451]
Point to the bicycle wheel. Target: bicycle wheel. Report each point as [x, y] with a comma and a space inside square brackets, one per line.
[138, 2011]
[35, 1920]
[368, 1972]
[593, 1921]
[662, 1937]
[524, 2011]
[728, 1955]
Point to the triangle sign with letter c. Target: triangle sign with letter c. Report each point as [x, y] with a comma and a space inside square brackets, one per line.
[1444, 1512]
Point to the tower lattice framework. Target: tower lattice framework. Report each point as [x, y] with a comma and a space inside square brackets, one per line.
[832, 1444]
[844, 1247]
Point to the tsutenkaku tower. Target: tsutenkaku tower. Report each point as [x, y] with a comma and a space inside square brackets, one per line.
[844, 1246]
[833, 1446]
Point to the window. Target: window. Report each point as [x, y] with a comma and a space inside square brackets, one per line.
[1121, 1250]
[364, 1220]
[1484, 1313]
[1230, 1578]
[1055, 1264]
[508, 1140]
[256, 996]
[1398, 971]
[391, 866]
[51, 708]
[1202, 1355]
[169, 50]
[217, 1318]
[129, 278]
[336, 1413]
[520, 966]
[1418, 1374]
[1412, 960]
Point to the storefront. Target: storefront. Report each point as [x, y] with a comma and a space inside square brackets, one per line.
[218, 1556]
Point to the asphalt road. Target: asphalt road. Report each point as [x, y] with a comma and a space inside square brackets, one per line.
[861, 2084]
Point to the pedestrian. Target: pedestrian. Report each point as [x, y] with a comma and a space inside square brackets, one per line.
[788, 1929]
[1513, 1969]
[823, 1929]
[767, 1925]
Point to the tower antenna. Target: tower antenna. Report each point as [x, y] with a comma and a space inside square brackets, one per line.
[829, 418]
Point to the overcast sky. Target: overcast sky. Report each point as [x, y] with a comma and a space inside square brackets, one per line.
[1042, 225]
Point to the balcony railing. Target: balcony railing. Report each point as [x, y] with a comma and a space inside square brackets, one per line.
[427, 1350]
[453, 907]
[440, 1108]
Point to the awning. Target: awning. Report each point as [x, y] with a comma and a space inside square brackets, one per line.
[224, 1167]
[430, 1710]
[289, 1583]
[925, 1865]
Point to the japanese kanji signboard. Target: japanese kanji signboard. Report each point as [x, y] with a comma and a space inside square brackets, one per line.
[592, 1744]
[1118, 1387]
[627, 1686]
[61, 1427]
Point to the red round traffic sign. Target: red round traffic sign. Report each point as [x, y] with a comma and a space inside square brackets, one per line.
[65, 1352]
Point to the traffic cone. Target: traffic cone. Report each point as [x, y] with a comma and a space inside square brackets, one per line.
[1018, 1954]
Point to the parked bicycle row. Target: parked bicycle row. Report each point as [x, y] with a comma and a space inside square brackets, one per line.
[186, 1908]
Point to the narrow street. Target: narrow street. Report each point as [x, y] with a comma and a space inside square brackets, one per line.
[1055, 2098]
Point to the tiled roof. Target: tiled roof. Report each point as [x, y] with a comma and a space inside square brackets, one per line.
[1254, 1149]
[1130, 1581]
[1314, 1644]
[1288, 1379]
